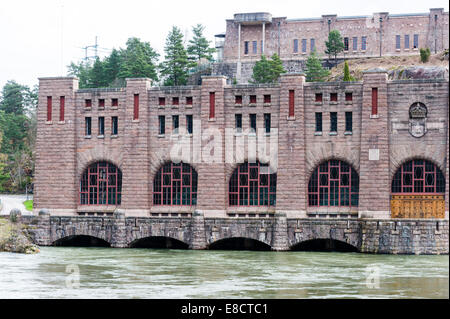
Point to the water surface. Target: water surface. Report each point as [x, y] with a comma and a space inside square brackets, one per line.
[165, 273]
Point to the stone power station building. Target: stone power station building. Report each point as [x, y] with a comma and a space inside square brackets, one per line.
[249, 35]
[217, 160]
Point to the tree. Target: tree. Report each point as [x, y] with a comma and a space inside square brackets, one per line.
[175, 66]
[334, 45]
[314, 69]
[82, 72]
[137, 60]
[424, 54]
[347, 76]
[112, 66]
[13, 96]
[199, 47]
[97, 75]
[267, 71]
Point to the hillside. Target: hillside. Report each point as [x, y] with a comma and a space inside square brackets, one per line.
[437, 66]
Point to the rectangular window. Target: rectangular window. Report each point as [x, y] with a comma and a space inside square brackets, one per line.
[363, 43]
[255, 47]
[101, 103]
[355, 44]
[238, 99]
[295, 45]
[406, 41]
[189, 100]
[318, 97]
[212, 105]
[49, 108]
[246, 47]
[114, 125]
[252, 99]
[333, 97]
[346, 44]
[87, 126]
[162, 101]
[304, 45]
[416, 41]
[175, 124]
[267, 122]
[189, 124]
[397, 42]
[136, 107]
[114, 102]
[62, 102]
[291, 103]
[374, 101]
[101, 125]
[348, 96]
[313, 45]
[88, 103]
[318, 122]
[162, 124]
[348, 122]
[267, 99]
[253, 122]
[333, 121]
[175, 101]
[238, 120]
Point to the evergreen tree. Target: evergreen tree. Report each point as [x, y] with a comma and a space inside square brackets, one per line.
[347, 76]
[199, 47]
[314, 69]
[13, 98]
[175, 66]
[267, 71]
[112, 66]
[97, 75]
[334, 45]
[82, 72]
[138, 60]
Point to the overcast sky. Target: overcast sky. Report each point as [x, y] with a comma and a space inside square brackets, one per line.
[40, 38]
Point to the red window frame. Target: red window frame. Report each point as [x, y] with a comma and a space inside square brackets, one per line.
[114, 102]
[420, 177]
[252, 99]
[162, 101]
[238, 99]
[88, 103]
[62, 103]
[318, 97]
[176, 101]
[136, 107]
[267, 98]
[101, 184]
[333, 184]
[251, 185]
[374, 101]
[189, 100]
[333, 97]
[49, 108]
[212, 105]
[291, 102]
[349, 96]
[175, 184]
[101, 103]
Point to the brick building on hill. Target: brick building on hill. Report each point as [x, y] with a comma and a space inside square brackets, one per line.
[248, 35]
[370, 149]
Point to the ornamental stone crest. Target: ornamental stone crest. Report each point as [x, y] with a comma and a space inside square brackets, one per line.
[418, 119]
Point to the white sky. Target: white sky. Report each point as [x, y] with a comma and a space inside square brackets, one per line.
[40, 38]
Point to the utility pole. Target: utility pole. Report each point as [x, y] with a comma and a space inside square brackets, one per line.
[95, 47]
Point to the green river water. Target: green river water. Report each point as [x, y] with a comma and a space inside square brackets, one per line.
[165, 273]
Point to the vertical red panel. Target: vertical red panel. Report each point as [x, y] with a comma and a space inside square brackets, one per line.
[62, 102]
[374, 101]
[136, 107]
[291, 103]
[212, 104]
[49, 108]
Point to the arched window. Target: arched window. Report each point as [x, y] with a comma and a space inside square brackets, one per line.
[252, 185]
[101, 184]
[175, 185]
[333, 183]
[418, 177]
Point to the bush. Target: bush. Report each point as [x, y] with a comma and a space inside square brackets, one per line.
[424, 54]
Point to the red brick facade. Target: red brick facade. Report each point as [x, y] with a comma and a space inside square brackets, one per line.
[294, 39]
[375, 147]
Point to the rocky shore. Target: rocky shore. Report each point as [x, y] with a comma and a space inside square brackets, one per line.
[14, 236]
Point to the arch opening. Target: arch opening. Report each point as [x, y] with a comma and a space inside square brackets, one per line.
[101, 184]
[81, 241]
[328, 245]
[159, 242]
[239, 243]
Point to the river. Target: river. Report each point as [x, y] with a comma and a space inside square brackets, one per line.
[70, 272]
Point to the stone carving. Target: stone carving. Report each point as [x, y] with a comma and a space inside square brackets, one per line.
[418, 119]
